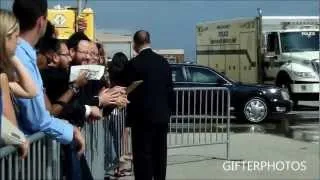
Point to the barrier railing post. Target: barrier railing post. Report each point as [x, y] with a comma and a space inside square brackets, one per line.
[49, 159]
[41, 162]
[208, 108]
[228, 126]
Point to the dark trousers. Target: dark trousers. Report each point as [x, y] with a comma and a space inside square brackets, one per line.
[75, 168]
[149, 146]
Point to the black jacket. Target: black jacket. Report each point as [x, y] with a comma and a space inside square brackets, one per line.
[56, 81]
[152, 101]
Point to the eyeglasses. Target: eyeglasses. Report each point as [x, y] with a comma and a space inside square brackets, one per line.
[94, 55]
[83, 52]
[67, 54]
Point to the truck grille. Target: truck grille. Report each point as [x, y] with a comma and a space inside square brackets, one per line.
[316, 65]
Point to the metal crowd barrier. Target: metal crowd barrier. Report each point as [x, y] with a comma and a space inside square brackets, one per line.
[201, 116]
[42, 162]
[106, 141]
[105, 144]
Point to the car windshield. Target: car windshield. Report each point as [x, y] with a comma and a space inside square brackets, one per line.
[299, 41]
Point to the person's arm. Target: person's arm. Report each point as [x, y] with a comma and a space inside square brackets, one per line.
[58, 105]
[47, 102]
[26, 87]
[12, 135]
[34, 116]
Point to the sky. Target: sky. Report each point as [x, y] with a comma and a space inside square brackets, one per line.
[172, 22]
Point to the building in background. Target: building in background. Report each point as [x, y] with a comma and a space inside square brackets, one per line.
[114, 43]
[172, 55]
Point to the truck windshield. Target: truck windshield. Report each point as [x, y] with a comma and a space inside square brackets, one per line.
[299, 41]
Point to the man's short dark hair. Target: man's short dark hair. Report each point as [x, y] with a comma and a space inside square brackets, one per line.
[50, 31]
[50, 45]
[28, 11]
[141, 37]
[48, 35]
[75, 38]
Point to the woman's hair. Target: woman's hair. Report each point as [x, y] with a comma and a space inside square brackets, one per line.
[8, 25]
[102, 53]
[116, 68]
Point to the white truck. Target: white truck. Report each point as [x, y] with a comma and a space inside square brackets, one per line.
[282, 50]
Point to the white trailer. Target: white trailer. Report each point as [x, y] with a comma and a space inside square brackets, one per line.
[282, 50]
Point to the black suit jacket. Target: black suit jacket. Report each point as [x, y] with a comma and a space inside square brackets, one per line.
[152, 101]
[56, 82]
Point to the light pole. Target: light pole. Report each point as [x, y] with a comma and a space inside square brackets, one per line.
[79, 7]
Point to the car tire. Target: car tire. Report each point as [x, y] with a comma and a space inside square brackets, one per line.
[255, 110]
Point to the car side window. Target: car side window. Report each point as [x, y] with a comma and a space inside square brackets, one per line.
[202, 75]
[177, 75]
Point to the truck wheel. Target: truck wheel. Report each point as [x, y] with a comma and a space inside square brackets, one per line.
[255, 110]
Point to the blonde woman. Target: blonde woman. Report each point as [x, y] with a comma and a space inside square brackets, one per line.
[9, 132]
[20, 83]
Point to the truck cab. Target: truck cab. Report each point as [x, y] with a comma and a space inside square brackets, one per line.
[291, 60]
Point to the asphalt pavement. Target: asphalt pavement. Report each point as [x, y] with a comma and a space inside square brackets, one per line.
[294, 139]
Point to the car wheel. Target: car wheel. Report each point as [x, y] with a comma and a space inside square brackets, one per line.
[255, 110]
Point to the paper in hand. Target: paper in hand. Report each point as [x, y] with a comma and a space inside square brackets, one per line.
[133, 86]
[95, 72]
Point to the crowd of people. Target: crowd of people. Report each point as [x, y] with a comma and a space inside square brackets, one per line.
[37, 67]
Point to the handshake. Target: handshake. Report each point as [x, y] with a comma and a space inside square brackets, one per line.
[113, 97]
[110, 97]
[116, 96]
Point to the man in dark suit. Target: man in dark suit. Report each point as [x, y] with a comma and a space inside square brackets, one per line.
[149, 110]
